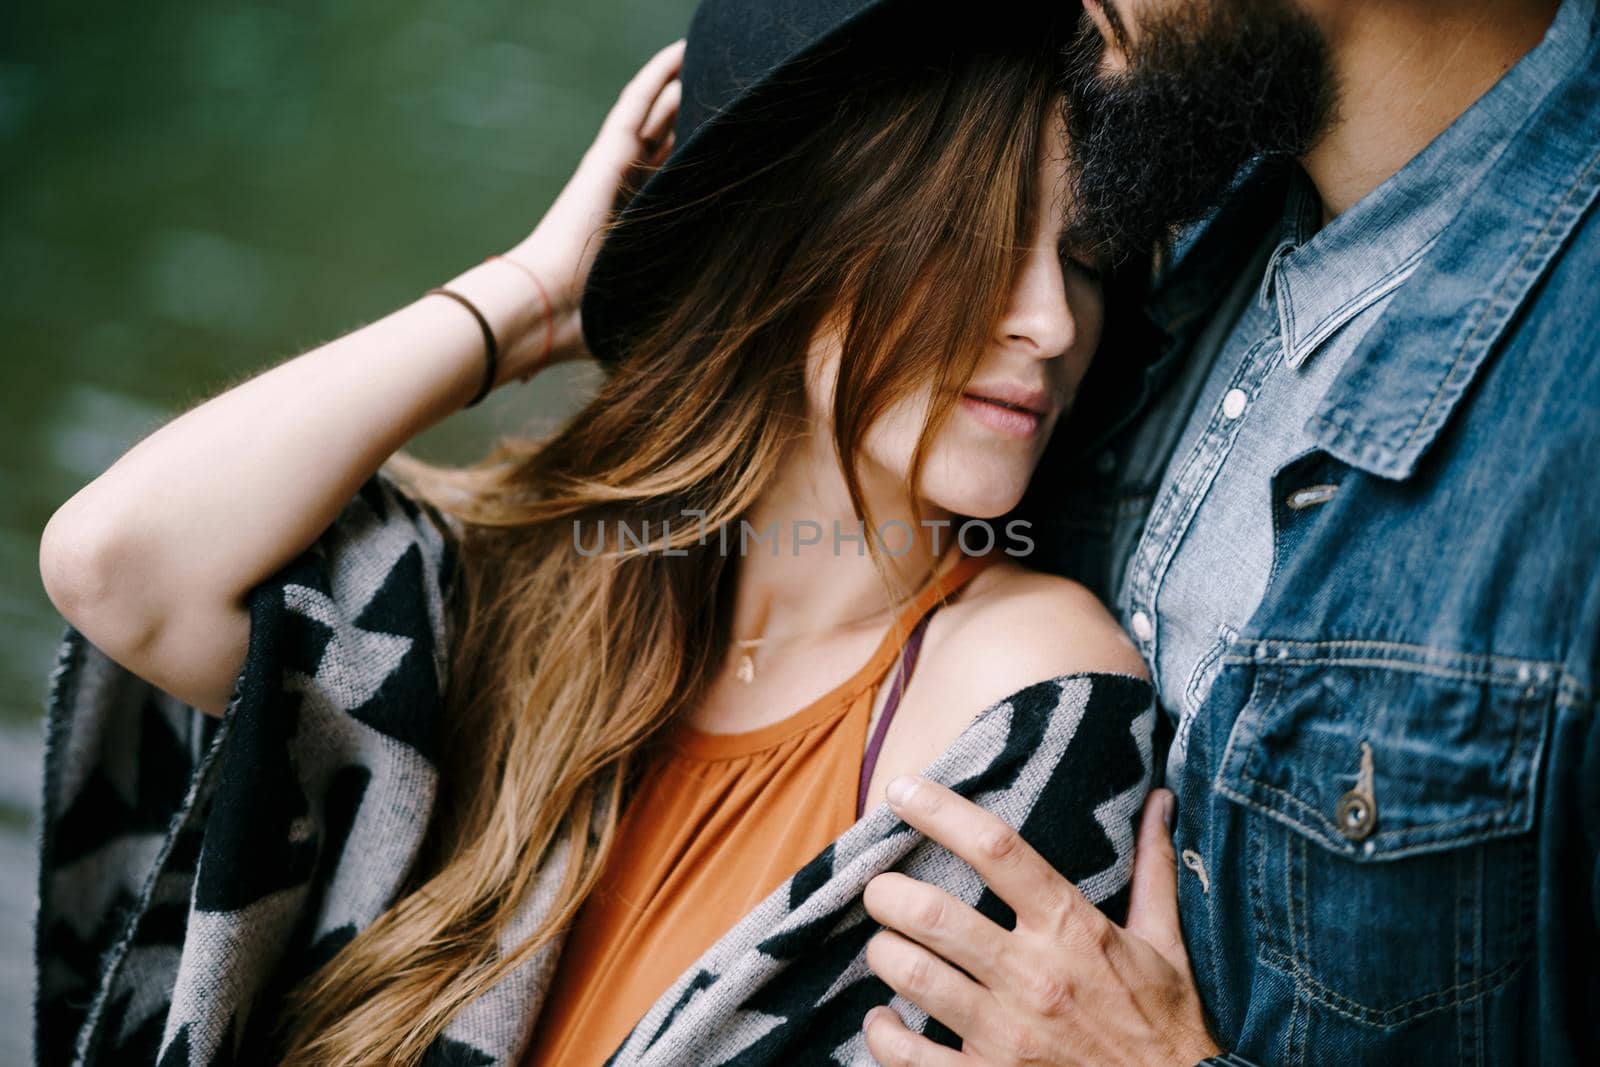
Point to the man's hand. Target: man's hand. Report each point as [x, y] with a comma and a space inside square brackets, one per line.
[1066, 986]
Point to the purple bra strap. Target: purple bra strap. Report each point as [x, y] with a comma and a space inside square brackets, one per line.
[908, 661]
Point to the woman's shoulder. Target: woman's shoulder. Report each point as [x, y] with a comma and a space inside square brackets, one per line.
[1008, 630]
[1011, 627]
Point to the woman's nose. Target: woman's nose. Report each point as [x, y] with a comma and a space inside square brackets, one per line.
[1039, 318]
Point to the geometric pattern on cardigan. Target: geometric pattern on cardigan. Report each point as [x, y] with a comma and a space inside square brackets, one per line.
[193, 868]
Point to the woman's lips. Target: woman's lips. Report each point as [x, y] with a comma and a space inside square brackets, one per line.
[1008, 420]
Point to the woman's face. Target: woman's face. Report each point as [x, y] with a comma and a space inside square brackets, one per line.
[981, 460]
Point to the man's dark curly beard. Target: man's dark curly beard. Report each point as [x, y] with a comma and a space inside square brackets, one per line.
[1206, 88]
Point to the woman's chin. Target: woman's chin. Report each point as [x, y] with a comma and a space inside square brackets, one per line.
[983, 499]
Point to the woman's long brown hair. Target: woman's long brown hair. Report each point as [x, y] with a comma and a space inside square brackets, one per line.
[900, 215]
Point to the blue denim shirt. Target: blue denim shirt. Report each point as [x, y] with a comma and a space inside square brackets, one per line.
[1254, 377]
[1389, 810]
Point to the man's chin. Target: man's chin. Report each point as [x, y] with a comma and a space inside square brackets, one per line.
[1159, 142]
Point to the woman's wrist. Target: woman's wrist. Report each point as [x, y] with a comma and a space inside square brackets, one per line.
[562, 285]
[518, 314]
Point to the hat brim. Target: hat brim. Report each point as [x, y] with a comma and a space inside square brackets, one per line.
[631, 282]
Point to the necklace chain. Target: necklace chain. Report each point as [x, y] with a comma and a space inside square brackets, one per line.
[746, 669]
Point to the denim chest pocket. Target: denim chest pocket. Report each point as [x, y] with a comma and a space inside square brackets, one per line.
[1393, 791]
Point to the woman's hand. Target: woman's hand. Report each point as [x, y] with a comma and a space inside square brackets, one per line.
[635, 138]
[154, 560]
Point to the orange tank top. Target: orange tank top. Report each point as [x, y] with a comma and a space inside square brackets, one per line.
[716, 823]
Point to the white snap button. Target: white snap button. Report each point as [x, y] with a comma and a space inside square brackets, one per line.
[1143, 628]
[1233, 403]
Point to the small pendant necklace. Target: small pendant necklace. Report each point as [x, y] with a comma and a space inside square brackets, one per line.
[745, 666]
[746, 670]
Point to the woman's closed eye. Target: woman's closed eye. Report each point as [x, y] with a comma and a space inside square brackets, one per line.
[1081, 262]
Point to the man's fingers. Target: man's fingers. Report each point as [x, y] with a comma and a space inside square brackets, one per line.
[893, 1044]
[935, 919]
[1153, 896]
[928, 982]
[1033, 889]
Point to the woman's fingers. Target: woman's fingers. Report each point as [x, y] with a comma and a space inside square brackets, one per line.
[659, 155]
[636, 135]
[663, 113]
[634, 104]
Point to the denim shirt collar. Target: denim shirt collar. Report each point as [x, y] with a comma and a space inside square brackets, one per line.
[1475, 237]
[1323, 278]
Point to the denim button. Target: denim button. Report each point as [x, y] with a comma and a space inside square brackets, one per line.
[1357, 814]
[1233, 403]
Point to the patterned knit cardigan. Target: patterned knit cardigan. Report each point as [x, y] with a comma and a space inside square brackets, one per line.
[193, 868]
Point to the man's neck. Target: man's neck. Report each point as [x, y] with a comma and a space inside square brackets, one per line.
[1406, 70]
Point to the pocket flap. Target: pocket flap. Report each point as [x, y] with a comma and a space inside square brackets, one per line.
[1377, 750]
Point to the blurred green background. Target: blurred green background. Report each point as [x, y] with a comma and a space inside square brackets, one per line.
[190, 193]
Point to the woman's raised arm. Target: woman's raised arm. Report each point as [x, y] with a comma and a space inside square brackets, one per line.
[153, 560]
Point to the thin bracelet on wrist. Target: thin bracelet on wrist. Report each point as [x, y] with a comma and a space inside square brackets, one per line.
[544, 300]
[491, 348]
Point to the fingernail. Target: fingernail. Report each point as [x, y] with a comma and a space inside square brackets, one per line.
[1169, 807]
[901, 790]
[873, 1013]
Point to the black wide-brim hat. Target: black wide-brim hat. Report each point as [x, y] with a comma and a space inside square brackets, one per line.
[743, 92]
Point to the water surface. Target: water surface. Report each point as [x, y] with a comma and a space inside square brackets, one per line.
[190, 193]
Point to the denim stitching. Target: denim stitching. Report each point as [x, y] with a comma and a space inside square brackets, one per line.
[1330, 325]
[1191, 703]
[1400, 1014]
[1263, 695]
[1502, 298]
[1459, 920]
[1356, 642]
[1302, 904]
[1291, 914]
[1515, 794]
[1299, 1023]
[1380, 664]
[1491, 817]
[1515, 787]
[1512, 799]
[1494, 307]
[1173, 512]
[1302, 909]
[1296, 1046]
[1482, 666]
[1255, 838]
